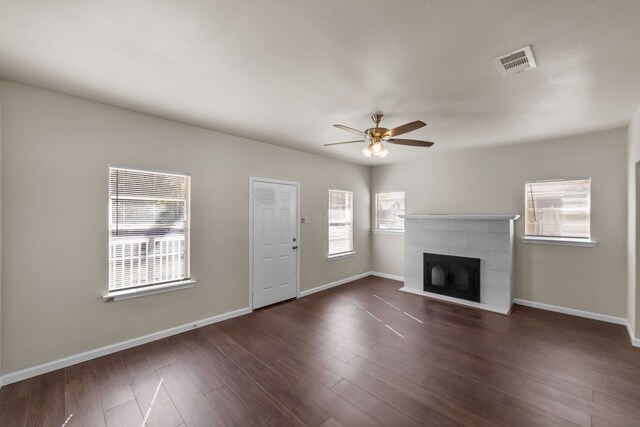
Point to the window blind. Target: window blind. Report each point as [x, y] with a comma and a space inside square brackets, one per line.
[340, 222]
[560, 208]
[148, 227]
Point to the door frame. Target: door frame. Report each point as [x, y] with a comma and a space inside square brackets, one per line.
[252, 181]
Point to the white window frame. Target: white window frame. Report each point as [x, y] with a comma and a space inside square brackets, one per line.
[551, 239]
[376, 214]
[347, 222]
[114, 294]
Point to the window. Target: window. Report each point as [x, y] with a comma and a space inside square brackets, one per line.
[558, 209]
[340, 222]
[389, 206]
[148, 227]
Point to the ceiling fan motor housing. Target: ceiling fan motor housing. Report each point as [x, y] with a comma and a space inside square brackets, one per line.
[376, 134]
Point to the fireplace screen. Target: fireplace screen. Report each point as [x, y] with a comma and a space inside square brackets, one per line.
[454, 276]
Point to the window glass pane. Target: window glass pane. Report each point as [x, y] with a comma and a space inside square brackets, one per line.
[389, 207]
[558, 208]
[340, 222]
[148, 227]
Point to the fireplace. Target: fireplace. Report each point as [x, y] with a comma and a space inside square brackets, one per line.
[453, 276]
[488, 238]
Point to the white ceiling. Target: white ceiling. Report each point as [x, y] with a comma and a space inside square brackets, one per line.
[284, 71]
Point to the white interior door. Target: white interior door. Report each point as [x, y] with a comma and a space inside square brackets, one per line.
[275, 242]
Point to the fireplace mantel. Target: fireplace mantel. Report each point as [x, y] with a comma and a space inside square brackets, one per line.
[485, 237]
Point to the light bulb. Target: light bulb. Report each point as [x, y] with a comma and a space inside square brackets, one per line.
[377, 147]
[383, 153]
[367, 151]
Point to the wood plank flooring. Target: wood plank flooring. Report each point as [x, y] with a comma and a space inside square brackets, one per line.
[362, 354]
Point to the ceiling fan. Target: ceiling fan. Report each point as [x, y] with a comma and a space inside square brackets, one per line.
[375, 136]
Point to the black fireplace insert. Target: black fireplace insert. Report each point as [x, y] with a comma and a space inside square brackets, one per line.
[454, 276]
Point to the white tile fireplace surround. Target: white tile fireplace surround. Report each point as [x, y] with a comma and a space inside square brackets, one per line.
[487, 237]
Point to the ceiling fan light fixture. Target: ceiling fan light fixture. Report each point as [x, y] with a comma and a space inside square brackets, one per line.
[383, 153]
[367, 151]
[375, 149]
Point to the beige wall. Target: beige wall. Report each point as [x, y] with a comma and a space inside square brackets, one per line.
[55, 154]
[491, 180]
[633, 241]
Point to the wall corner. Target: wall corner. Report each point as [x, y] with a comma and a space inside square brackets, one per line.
[633, 225]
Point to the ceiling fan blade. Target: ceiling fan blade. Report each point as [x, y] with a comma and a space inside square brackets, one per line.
[405, 128]
[413, 142]
[345, 142]
[352, 130]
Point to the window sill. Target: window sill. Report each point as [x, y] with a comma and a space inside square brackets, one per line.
[343, 255]
[148, 290]
[563, 241]
[383, 231]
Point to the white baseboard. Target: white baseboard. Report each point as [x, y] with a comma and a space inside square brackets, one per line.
[23, 374]
[333, 284]
[581, 313]
[634, 341]
[387, 276]
[572, 311]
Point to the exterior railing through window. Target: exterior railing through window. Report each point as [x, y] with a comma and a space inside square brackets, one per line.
[139, 261]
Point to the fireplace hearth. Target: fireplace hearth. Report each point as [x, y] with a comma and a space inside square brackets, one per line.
[453, 276]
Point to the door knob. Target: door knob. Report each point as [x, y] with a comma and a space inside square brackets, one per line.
[295, 247]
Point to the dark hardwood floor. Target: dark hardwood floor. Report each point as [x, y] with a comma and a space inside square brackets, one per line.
[361, 354]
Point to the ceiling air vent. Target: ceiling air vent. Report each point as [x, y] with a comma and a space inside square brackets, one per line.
[515, 61]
